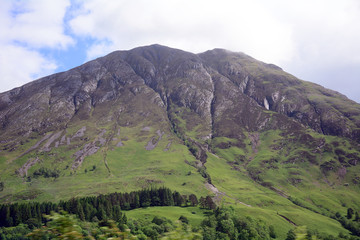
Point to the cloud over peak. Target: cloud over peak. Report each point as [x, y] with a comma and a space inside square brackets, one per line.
[316, 40]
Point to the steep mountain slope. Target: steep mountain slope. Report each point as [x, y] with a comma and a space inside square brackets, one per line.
[219, 123]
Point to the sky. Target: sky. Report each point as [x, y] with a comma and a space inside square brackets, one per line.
[315, 40]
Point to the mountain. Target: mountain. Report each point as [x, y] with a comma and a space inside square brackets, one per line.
[219, 123]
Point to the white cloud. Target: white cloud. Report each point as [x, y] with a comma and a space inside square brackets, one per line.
[19, 65]
[306, 37]
[36, 23]
[309, 38]
[190, 25]
[326, 36]
[323, 31]
[27, 29]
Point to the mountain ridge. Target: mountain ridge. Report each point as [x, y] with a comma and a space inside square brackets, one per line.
[268, 99]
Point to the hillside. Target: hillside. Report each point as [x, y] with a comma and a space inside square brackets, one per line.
[218, 123]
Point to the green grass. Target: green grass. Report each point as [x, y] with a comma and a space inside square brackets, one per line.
[131, 166]
[189, 124]
[271, 217]
[266, 204]
[195, 215]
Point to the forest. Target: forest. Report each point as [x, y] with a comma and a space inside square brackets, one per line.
[104, 217]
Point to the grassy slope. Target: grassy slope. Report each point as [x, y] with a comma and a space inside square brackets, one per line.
[265, 204]
[132, 167]
[195, 215]
[234, 182]
[325, 193]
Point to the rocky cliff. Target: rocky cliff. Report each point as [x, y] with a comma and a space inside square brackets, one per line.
[229, 92]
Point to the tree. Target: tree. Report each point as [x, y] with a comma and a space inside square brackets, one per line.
[137, 201]
[145, 199]
[193, 200]
[101, 214]
[87, 211]
[60, 226]
[202, 202]
[65, 226]
[111, 231]
[2, 236]
[357, 217]
[291, 235]
[178, 199]
[184, 219]
[158, 220]
[117, 215]
[210, 222]
[185, 199]
[272, 231]
[124, 219]
[80, 212]
[226, 226]
[224, 223]
[350, 213]
[26, 212]
[8, 219]
[309, 234]
[33, 223]
[210, 203]
[17, 218]
[168, 198]
[209, 233]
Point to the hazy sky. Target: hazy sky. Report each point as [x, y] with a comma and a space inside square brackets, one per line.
[315, 40]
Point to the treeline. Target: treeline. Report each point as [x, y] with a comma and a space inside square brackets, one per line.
[46, 173]
[221, 223]
[353, 225]
[225, 223]
[97, 208]
[67, 226]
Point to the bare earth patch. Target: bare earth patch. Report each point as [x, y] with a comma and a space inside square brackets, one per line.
[219, 195]
[24, 169]
[153, 142]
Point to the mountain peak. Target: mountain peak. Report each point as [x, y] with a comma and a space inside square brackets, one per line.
[187, 79]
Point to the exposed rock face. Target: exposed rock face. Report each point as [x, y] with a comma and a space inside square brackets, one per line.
[227, 94]
[154, 141]
[270, 87]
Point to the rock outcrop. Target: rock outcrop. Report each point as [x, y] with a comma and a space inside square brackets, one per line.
[215, 94]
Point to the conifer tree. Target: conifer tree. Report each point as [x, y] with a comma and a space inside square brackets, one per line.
[350, 213]
[210, 203]
[202, 202]
[137, 201]
[178, 200]
[193, 200]
[8, 218]
[357, 217]
[80, 212]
